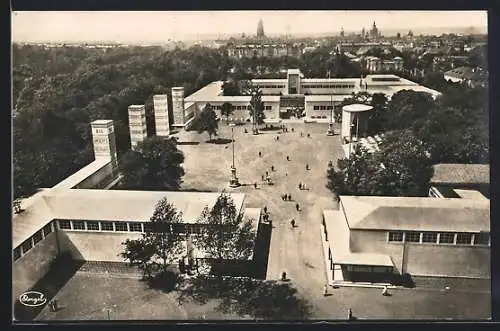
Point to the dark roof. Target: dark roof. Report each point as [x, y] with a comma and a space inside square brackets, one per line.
[453, 173]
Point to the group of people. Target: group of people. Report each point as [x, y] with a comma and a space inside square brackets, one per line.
[286, 197]
[302, 186]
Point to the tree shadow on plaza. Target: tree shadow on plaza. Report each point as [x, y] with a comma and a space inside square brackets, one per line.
[260, 299]
[61, 271]
[219, 141]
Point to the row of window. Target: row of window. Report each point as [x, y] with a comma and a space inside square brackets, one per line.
[32, 241]
[329, 86]
[322, 107]
[271, 86]
[461, 238]
[123, 226]
[242, 107]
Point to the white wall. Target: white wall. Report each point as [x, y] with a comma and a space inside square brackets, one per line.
[33, 265]
[426, 259]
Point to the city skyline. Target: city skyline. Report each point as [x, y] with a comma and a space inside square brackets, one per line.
[164, 26]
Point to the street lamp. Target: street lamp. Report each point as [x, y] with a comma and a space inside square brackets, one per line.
[331, 131]
[233, 181]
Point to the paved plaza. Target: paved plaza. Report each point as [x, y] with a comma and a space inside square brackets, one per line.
[297, 251]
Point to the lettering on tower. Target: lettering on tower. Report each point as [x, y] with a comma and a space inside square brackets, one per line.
[103, 138]
[162, 125]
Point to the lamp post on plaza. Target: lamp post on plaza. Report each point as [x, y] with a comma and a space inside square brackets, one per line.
[331, 131]
[233, 181]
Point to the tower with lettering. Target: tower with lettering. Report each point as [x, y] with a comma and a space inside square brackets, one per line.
[103, 138]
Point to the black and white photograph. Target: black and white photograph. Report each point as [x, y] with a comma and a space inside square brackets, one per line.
[250, 166]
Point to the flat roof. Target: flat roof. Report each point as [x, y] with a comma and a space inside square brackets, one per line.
[102, 122]
[455, 173]
[263, 80]
[357, 107]
[110, 205]
[34, 216]
[136, 106]
[365, 259]
[326, 97]
[84, 173]
[470, 194]
[416, 213]
[416, 88]
[208, 92]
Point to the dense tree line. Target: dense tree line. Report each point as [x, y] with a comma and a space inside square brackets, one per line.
[57, 92]
[420, 132]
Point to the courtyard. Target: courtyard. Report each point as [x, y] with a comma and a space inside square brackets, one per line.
[297, 251]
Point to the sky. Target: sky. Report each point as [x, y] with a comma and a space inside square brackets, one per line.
[161, 26]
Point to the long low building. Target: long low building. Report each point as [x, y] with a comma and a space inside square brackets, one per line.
[91, 225]
[311, 99]
[375, 239]
[81, 217]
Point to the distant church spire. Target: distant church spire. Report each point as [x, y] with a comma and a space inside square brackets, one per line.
[260, 29]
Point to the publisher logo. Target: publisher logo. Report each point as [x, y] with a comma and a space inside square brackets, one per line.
[32, 299]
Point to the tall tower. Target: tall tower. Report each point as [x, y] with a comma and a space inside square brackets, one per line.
[260, 29]
[160, 105]
[137, 124]
[178, 105]
[342, 32]
[103, 138]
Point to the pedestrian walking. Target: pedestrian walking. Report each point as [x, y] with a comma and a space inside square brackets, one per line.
[246, 131]
[262, 177]
[325, 290]
[283, 197]
[277, 138]
[265, 209]
[289, 197]
[297, 207]
[384, 291]
[304, 187]
[255, 185]
[349, 314]
[272, 168]
[292, 222]
[307, 166]
[300, 186]
[301, 134]
[267, 174]
[287, 158]
[293, 130]
[260, 154]
[283, 276]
